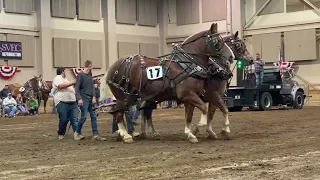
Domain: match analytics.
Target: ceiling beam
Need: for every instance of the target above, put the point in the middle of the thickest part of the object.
(256, 14)
(313, 6)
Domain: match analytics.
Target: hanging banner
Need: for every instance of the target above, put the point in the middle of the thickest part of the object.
(7, 72)
(10, 50)
(76, 71)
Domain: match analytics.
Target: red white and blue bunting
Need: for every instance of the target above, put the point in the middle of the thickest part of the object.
(8, 72)
(285, 65)
(76, 71)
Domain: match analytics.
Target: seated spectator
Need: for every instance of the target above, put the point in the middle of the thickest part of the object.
(10, 106)
(20, 105)
(33, 106)
(5, 91)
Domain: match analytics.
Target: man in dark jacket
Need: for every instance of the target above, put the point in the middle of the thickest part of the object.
(85, 94)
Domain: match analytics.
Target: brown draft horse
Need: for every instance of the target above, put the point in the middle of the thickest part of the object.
(180, 77)
(215, 89)
(44, 95)
(219, 87)
(29, 89)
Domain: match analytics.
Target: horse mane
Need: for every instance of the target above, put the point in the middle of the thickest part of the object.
(194, 36)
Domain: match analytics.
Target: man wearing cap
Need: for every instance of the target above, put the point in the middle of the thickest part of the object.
(10, 105)
(65, 102)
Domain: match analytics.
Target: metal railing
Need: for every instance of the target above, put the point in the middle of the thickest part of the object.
(307, 86)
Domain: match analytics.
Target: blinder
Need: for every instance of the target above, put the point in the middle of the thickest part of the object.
(214, 44)
(240, 48)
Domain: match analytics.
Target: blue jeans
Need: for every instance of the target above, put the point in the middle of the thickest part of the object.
(259, 78)
(85, 108)
(34, 110)
(22, 109)
(67, 111)
(130, 127)
(10, 110)
(136, 114)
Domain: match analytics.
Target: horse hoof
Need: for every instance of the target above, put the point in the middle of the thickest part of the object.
(155, 136)
(226, 135)
(128, 140)
(195, 129)
(213, 137)
(193, 140)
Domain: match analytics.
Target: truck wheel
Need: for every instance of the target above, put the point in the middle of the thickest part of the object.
(235, 108)
(298, 101)
(266, 101)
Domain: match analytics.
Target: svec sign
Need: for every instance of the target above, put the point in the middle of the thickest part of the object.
(10, 50)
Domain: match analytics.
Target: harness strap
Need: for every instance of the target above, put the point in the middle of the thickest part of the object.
(143, 66)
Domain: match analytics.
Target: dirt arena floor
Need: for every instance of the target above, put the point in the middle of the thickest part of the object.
(279, 144)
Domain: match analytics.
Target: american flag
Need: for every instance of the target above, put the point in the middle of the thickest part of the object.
(280, 62)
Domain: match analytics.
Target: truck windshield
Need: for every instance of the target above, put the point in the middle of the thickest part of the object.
(273, 75)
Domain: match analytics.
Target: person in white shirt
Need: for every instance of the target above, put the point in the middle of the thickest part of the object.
(65, 101)
(10, 105)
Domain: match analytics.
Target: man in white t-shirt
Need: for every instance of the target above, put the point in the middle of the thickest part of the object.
(65, 102)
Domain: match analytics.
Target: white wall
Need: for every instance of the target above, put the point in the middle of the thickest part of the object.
(18, 21)
(77, 25)
(186, 30)
(137, 30)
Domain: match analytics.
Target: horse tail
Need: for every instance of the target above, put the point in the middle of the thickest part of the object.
(105, 91)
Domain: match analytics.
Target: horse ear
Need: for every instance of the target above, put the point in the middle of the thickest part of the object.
(40, 75)
(236, 35)
(214, 28)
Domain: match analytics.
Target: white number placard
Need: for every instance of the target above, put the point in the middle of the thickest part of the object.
(154, 72)
(22, 89)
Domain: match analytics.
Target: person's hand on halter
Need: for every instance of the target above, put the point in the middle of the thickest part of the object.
(94, 100)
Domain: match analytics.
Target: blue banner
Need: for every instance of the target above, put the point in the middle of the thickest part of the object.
(10, 50)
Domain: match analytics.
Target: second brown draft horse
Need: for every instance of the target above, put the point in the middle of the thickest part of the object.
(179, 76)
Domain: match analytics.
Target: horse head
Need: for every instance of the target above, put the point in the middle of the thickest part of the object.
(238, 47)
(204, 44)
(34, 84)
(41, 84)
